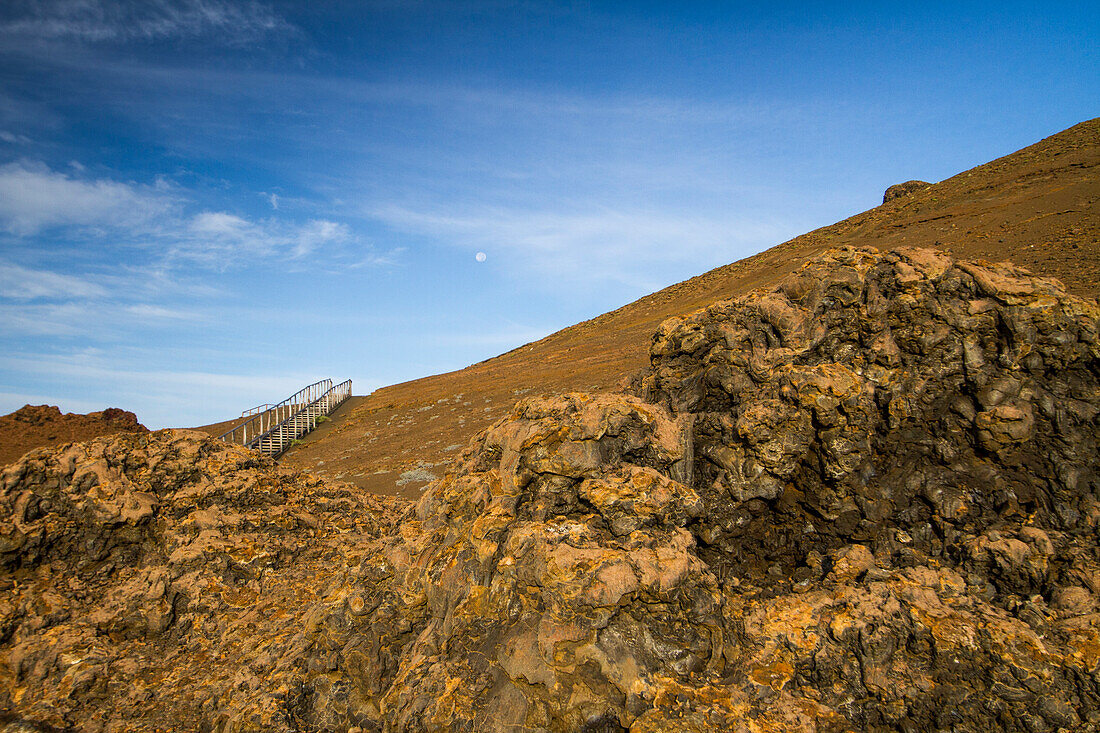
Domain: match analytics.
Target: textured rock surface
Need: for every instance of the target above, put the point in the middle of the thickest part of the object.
(866, 500)
(163, 581)
(876, 391)
(899, 190)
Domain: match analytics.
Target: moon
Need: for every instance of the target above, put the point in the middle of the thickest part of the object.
(480, 257)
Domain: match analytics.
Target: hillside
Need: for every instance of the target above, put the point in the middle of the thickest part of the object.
(1036, 207)
(37, 426)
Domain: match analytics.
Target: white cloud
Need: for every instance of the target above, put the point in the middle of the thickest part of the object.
(220, 225)
(97, 367)
(19, 283)
(70, 308)
(101, 320)
(33, 197)
(147, 311)
(222, 239)
(317, 233)
(148, 20)
(11, 137)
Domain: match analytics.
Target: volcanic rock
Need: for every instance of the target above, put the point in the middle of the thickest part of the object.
(900, 190)
(34, 426)
(164, 581)
(865, 500)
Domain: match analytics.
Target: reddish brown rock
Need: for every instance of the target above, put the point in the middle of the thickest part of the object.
(900, 190)
(35, 426)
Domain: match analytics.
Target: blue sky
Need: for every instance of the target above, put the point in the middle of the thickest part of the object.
(207, 204)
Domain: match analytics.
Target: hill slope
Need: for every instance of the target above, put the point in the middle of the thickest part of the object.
(37, 426)
(1036, 207)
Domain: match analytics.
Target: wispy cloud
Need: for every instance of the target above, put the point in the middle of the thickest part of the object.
(20, 283)
(316, 234)
(56, 320)
(33, 197)
(147, 20)
(98, 320)
(219, 238)
(151, 312)
(97, 366)
(13, 139)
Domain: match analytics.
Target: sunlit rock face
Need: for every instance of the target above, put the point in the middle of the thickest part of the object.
(866, 500)
(901, 190)
(165, 581)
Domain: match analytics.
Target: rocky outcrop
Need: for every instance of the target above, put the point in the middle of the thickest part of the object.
(873, 391)
(35, 426)
(905, 418)
(867, 500)
(900, 190)
(164, 581)
(122, 420)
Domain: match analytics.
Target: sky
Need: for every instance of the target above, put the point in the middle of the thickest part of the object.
(208, 204)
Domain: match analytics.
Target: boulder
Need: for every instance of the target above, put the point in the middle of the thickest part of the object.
(900, 190)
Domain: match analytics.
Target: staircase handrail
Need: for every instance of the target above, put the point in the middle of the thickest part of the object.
(344, 389)
(281, 411)
(257, 409)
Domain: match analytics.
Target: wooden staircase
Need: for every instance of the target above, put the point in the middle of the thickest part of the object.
(274, 428)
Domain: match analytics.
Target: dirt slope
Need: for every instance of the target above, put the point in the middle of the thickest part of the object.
(1036, 207)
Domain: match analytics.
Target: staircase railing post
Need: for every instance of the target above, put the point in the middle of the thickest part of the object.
(273, 428)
